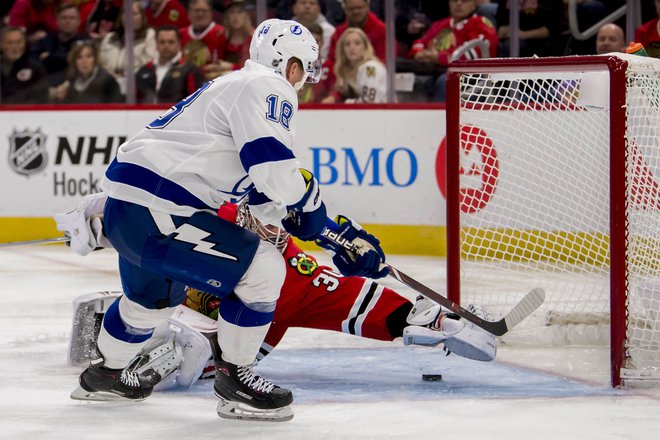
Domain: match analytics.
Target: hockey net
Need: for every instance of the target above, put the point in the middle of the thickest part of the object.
(553, 181)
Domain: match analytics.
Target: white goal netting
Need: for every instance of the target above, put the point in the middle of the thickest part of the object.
(535, 200)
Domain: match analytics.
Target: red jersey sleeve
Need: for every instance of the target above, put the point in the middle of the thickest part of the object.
(317, 297)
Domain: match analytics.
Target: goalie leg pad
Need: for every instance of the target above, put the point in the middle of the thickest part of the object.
(196, 352)
(459, 337)
(178, 352)
(163, 359)
(88, 313)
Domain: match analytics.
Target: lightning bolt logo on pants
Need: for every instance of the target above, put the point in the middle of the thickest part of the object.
(190, 234)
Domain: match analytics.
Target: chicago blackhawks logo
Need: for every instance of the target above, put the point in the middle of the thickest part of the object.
(27, 151)
(303, 264)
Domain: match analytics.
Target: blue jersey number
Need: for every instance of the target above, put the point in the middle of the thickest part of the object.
(178, 108)
(285, 111)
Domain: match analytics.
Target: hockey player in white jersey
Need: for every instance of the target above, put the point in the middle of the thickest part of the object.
(229, 140)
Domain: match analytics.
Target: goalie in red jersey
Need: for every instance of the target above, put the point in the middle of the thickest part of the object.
(313, 296)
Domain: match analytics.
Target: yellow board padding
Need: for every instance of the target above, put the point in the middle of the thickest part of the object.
(591, 248)
(395, 239)
(27, 228)
(403, 239)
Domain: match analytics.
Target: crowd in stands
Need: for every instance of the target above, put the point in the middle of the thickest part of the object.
(73, 51)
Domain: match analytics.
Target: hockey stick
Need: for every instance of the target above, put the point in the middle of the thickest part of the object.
(39, 241)
(520, 311)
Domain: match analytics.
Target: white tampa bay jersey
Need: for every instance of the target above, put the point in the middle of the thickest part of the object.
(370, 84)
(231, 137)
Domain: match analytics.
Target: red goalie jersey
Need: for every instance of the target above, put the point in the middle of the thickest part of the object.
(317, 297)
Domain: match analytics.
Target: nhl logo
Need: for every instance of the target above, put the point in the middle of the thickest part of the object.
(27, 151)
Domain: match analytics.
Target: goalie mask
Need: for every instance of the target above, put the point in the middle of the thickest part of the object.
(276, 41)
(273, 234)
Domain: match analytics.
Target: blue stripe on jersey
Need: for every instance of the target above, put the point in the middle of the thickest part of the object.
(147, 180)
(257, 198)
(234, 311)
(264, 150)
(118, 329)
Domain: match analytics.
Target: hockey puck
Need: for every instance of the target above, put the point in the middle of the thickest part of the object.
(432, 377)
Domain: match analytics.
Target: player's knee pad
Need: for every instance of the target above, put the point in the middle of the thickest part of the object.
(259, 288)
(140, 317)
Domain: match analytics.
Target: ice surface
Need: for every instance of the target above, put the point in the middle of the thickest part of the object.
(344, 387)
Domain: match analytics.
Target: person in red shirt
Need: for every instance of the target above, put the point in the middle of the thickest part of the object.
(648, 34)
(166, 12)
(168, 77)
(202, 41)
(462, 35)
(359, 15)
(444, 37)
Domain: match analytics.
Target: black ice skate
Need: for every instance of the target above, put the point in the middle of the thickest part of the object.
(99, 383)
(245, 395)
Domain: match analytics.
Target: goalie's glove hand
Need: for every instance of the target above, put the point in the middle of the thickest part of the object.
(307, 217)
(84, 225)
(368, 261)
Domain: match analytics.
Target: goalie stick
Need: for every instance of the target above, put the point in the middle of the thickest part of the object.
(39, 241)
(520, 311)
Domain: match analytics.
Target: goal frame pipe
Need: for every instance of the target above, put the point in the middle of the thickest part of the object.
(618, 226)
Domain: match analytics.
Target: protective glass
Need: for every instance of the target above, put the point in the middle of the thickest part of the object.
(313, 71)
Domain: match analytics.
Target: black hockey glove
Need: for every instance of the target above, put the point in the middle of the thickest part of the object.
(368, 262)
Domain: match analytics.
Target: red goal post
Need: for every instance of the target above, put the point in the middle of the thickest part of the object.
(553, 180)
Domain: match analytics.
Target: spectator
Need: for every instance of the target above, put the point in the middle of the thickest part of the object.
(22, 79)
(202, 41)
(358, 15)
(112, 53)
(413, 18)
(234, 48)
(446, 36)
(361, 76)
(648, 34)
(52, 51)
(168, 78)
(35, 17)
(539, 27)
(166, 12)
(307, 12)
(88, 82)
(610, 38)
(452, 38)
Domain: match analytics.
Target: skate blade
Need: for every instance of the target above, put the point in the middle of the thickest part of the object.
(99, 396)
(239, 411)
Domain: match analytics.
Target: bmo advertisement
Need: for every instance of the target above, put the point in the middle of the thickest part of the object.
(383, 167)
